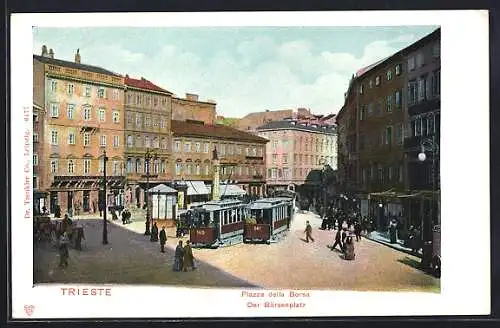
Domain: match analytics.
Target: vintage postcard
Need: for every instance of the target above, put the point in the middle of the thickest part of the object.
(266, 164)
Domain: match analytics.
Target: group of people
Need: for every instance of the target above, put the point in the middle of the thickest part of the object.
(65, 231)
(344, 237)
(183, 256)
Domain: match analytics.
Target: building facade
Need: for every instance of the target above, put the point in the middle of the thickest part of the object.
(423, 61)
(295, 149)
(148, 110)
(241, 157)
(84, 118)
(191, 108)
(390, 107)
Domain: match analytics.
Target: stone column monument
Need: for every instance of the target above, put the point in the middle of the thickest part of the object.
(216, 176)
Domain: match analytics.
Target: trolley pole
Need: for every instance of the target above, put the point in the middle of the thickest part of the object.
(105, 222)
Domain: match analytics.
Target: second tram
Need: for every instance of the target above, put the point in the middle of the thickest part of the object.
(269, 220)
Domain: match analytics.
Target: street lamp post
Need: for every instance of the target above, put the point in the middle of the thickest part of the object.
(147, 160)
(322, 162)
(105, 222)
(431, 146)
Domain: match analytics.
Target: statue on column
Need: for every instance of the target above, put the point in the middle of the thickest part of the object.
(216, 176)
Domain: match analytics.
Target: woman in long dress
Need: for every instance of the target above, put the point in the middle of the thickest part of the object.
(178, 257)
(188, 257)
(349, 249)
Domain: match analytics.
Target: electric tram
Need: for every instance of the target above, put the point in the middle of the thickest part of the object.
(218, 223)
(269, 220)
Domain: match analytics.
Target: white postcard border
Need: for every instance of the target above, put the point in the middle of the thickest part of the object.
(465, 282)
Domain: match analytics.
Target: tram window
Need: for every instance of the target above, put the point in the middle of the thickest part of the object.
(216, 217)
(224, 215)
(268, 215)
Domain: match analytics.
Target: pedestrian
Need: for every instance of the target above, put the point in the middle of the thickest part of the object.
(178, 257)
(349, 249)
(338, 240)
(163, 239)
(57, 213)
(154, 233)
(63, 250)
(79, 236)
(344, 236)
(188, 257)
(308, 232)
(357, 230)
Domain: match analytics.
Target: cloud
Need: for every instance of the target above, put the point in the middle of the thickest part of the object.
(257, 74)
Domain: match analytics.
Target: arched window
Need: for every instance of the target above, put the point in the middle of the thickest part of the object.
(71, 166)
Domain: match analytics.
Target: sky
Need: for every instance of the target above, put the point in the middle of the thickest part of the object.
(244, 69)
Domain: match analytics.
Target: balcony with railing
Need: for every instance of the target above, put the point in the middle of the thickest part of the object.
(424, 106)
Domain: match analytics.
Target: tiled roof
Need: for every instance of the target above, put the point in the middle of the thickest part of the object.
(294, 125)
(65, 63)
(143, 84)
(195, 129)
(368, 68)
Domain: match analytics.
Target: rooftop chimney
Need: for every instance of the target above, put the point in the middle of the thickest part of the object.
(44, 51)
(77, 56)
(51, 53)
(192, 96)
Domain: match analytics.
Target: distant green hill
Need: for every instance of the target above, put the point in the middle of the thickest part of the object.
(228, 121)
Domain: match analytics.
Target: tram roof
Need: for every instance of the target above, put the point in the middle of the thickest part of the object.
(267, 202)
(221, 204)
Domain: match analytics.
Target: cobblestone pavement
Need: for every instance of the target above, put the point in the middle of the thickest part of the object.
(292, 263)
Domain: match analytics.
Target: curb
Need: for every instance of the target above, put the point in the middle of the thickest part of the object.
(409, 252)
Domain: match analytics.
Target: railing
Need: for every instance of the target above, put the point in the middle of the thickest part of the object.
(424, 107)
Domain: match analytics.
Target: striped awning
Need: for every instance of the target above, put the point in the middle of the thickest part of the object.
(197, 188)
(231, 190)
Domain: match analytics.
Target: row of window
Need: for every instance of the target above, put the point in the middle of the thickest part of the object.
(146, 121)
(382, 174)
(426, 87)
(222, 149)
(198, 168)
(72, 167)
(86, 112)
(87, 139)
(421, 58)
(288, 173)
(302, 159)
(382, 105)
(140, 165)
(322, 145)
(146, 142)
(86, 90)
(398, 69)
(139, 99)
(414, 62)
(422, 125)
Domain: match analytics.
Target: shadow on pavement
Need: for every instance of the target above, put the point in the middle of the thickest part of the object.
(129, 258)
(414, 264)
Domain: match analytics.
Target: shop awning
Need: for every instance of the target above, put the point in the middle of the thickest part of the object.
(197, 188)
(231, 190)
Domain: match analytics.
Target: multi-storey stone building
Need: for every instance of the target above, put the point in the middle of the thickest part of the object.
(296, 148)
(371, 145)
(84, 118)
(423, 62)
(241, 156)
(148, 110)
(389, 106)
(191, 108)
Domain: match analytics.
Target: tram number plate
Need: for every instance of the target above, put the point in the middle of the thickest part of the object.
(200, 232)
